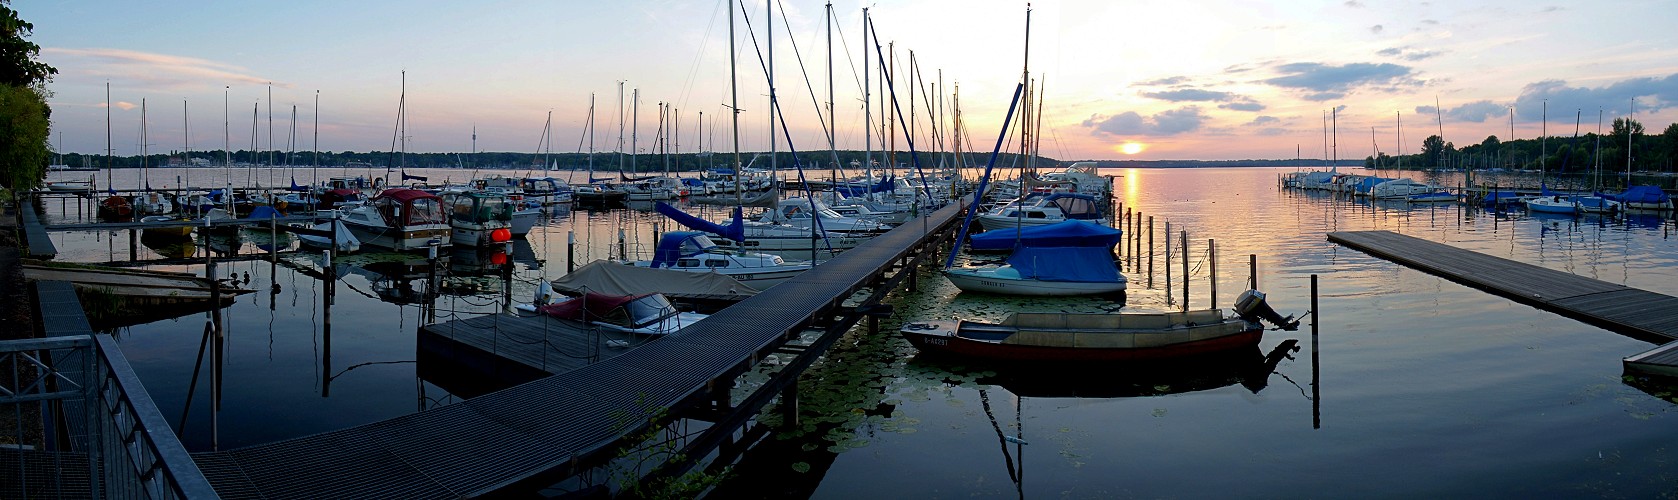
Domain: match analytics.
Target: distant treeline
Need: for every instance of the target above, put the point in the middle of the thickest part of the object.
(1555, 154)
(603, 162)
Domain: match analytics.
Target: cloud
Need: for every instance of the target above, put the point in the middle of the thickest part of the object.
(1189, 95)
(155, 69)
(1130, 123)
(1477, 111)
(1407, 53)
(1354, 3)
(1262, 120)
(1327, 81)
(1274, 131)
(1246, 105)
(1376, 29)
(1164, 82)
(122, 105)
(1652, 94)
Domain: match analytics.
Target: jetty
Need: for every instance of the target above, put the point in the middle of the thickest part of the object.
(1633, 312)
(561, 425)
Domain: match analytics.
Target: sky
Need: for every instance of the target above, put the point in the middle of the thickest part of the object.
(1140, 79)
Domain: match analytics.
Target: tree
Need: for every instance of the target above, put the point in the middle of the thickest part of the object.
(1433, 149)
(24, 114)
(1620, 127)
(17, 55)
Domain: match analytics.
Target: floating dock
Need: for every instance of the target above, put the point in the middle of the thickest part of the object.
(1633, 312)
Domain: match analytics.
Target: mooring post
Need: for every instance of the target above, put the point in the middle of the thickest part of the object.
(1252, 271)
(1118, 215)
(1184, 247)
(1150, 250)
(908, 267)
(789, 406)
(623, 246)
(1167, 259)
(133, 248)
(1212, 261)
(570, 251)
(1316, 401)
(656, 234)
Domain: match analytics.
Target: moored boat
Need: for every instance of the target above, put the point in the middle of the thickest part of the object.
(400, 219)
(1099, 337)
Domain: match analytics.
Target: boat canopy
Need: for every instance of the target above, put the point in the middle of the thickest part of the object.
(1641, 194)
(406, 207)
(617, 279)
(1087, 264)
(1071, 233)
(632, 311)
(478, 206)
(677, 244)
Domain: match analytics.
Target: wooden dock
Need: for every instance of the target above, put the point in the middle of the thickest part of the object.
(501, 350)
(1633, 312)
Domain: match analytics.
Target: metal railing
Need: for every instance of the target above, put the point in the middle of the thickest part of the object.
(87, 391)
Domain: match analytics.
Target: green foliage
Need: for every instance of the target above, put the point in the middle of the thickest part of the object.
(1621, 124)
(629, 471)
(1433, 150)
(23, 137)
(17, 56)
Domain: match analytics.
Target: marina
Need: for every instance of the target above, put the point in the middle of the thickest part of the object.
(481, 358)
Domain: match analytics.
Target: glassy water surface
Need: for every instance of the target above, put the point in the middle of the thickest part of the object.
(1419, 386)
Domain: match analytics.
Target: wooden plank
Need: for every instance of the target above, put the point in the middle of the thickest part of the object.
(1634, 312)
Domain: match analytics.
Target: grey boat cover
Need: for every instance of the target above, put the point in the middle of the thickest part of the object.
(621, 279)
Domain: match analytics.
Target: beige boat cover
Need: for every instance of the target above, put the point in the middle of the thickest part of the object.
(621, 279)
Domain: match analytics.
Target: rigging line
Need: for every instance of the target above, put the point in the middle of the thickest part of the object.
(838, 27)
(811, 88)
(704, 41)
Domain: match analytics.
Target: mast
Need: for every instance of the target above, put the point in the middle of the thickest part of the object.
(1025, 112)
(1543, 142)
(314, 165)
(832, 144)
(108, 151)
(634, 128)
(591, 137)
(1629, 117)
(271, 124)
(867, 110)
(1596, 163)
(734, 103)
(1440, 115)
(1398, 117)
(769, 33)
(186, 144)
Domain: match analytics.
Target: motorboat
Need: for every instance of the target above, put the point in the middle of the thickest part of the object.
(1433, 197)
(801, 212)
(1035, 209)
(1100, 337)
(693, 251)
(1400, 189)
(645, 314)
(478, 218)
(115, 208)
(400, 219)
(1045, 271)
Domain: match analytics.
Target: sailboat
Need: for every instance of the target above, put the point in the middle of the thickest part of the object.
(114, 208)
(400, 218)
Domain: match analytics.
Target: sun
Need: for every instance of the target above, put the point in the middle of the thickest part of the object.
(1131, 148)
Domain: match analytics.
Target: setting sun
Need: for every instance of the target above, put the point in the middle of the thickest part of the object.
(1131, 148)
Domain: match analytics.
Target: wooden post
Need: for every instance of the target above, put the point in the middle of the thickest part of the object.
(133, 248)
(1167, 259)
(1252, 271)
(1150, 251)
(623, 246)
(1316, 401)
(1212, 260)
(1184, 247)
(570, 251)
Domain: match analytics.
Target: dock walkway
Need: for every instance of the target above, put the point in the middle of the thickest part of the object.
(559, 423)
(1633, 312)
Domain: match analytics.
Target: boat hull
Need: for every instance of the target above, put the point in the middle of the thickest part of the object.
(978, 280)
(401, 239)
(942, 338)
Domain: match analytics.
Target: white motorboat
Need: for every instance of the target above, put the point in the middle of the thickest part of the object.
(800, 212)
(646, 314)
(478, 218)
(1553, 204)
(1037, 209)
(693, 251)
(1400, 189)
(400, 219)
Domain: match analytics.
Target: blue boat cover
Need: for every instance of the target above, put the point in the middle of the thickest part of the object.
(677, 244)
(1641, 194)
(264, 212)
(1071, 233)
(1084, 264)
(886, 184)
(735, 230)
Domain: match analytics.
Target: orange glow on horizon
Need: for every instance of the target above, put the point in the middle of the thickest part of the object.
(1131, 148)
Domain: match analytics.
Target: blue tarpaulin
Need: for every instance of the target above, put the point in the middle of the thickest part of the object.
(735, 230)
(1085, 264)
(1641, 194)
(1071, 233)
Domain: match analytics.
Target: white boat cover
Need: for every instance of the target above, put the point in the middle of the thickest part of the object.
(618, 279)
(347, 241)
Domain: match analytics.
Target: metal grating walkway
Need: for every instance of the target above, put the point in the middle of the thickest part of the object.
(1629, 311)
(555, 423)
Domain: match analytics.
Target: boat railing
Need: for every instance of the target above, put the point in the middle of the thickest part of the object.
(114, 429)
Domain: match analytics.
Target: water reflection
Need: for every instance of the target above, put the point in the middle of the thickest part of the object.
(1250, 367)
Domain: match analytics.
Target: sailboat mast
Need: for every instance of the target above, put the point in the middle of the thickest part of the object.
(635, 125)
(1398, 118)
(108, 151)
(734, 103)
(1632, 113)
(186, 146)
(1596, 162)
(867, 102)
(591, 137)
(832, 144)
(314, 165)
(769, 34)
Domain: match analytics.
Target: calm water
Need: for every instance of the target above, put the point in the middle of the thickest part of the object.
(1422, 386)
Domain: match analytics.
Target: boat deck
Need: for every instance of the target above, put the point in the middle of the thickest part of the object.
(1661, 360)
(558, 425)
(1633, 312)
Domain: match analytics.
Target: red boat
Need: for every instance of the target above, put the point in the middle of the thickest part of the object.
(116, 209)
(1100, 337)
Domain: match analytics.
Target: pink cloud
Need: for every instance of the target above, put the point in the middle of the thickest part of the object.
(156, 69)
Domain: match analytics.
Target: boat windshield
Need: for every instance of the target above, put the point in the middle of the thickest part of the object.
(426, 211)
(648, 310)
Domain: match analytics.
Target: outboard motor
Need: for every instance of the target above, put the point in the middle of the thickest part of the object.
(1251, 306)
